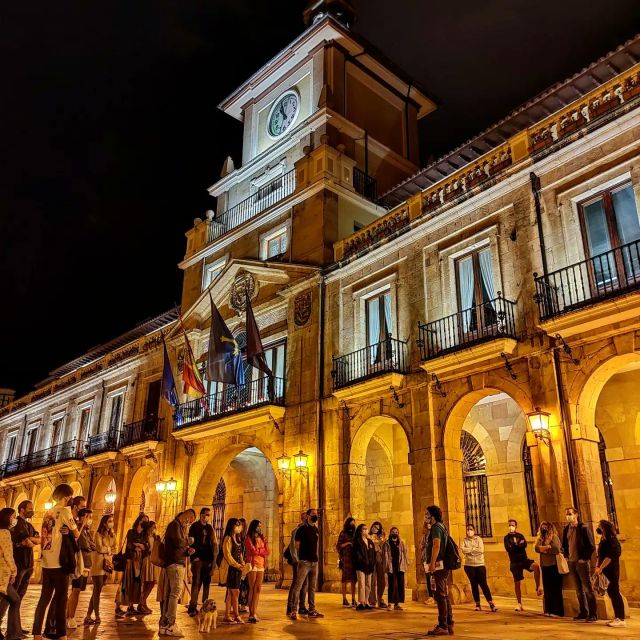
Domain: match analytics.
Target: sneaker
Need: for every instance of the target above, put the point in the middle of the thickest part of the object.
(252, 620)
(316, 614)
(493, 607)
(131, 612)
(616, 622)
(382, 605)
(360, 607)
(303, 612)
(580, 616)
(71, 623)
(368, 606)
(345, 602)
(174, 631)
(438, 631)
(162, 631)
(519, 607)
(592, 619)
(293, 616)
(397, 607)
(478, 608)
(119, 613)
(430, 601)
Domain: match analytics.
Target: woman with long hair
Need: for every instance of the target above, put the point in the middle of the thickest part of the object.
(395, 564)
(548, 545)
(609, 551)
(364, 561)
(243, 596)
(101, 564)
(378, 537)
(256, 553)
(8, 573)
(149, 572)
(472, 547)
(135, 550)
(231, 569)
(344, 547)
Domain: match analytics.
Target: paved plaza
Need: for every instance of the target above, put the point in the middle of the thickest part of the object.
(347, 624)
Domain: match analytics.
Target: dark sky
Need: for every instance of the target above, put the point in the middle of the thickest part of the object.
(110, 133)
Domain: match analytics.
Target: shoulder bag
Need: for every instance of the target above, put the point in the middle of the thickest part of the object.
(562, 564)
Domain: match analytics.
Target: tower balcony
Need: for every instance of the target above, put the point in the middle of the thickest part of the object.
(599, 291)
(62, 458)
(468, 337)
(231, 408)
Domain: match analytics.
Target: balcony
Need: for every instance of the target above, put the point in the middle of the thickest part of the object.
(611, 280)
(143, 435)
(370, 370)
(102, 447)
(266, 196)
(46, 458)
(468, 337)
(365, 185)
(232, 408)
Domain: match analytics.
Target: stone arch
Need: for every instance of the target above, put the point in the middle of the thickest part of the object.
(366, 430)
(77, 488)
(19, 497)
(134, 501)
(98, 504)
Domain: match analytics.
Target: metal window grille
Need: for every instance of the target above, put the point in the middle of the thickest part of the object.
(607, 480)
(476, 489)
(219, 504)
(532, 501)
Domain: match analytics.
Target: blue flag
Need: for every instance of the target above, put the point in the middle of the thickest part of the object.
(224, 363)
(168, 387)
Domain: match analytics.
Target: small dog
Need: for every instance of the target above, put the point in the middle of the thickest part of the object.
(207, 616)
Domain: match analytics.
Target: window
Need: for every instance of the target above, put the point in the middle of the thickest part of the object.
(57, 430)
(10, 447)
(611, 231)
(476, 292)
(379, 327)
(115, 417)
(275, 356)
(212, 271)
(83, 424)
(474, 480)
(530, 487)
(31, 441)
(274, 243)
(219, 504)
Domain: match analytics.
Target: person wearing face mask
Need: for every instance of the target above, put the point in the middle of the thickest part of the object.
(306, 543)
(204, 551)
(79, 582)
(231, 569)
(101, 564)
(394, 552)
(516, 546)
(8, 573)
(548, 546)
(344, 547)
(24, 538)
(473, 549)
(291, 555)
(364, 562)
(609, 551)
(256, 553)
(434, 555)
(423, 550)
(578, 547)
(378, 537)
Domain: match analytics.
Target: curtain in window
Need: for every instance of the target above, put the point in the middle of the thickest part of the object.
(624, 205)
(373, 330)
(486, 271)
(599, 242)
(388, 328)
(466, 284)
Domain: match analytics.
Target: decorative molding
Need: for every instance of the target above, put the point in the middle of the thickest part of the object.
(302, 308)
(244, 287)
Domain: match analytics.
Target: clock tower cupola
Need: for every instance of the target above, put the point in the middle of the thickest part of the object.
(342, 10)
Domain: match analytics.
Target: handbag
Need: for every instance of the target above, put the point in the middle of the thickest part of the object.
(157, 553)
(120, 559)
(562, 564)
(600, 583)
(107, 567)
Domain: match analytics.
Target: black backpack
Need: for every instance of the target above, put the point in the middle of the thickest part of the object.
(450, 555)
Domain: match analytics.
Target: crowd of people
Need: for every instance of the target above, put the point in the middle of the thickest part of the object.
(371, 562)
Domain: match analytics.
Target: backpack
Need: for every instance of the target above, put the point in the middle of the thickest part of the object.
(450, 555)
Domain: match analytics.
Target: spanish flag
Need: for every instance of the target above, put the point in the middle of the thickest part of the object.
(191, 377)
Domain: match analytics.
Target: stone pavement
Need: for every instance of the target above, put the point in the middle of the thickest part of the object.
(346, 624)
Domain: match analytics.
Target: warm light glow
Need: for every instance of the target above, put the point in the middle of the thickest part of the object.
(539, 421)
(172, 485)
(110, 497)
(300, 461)
(284, 463)
(48, 506)
(161, 485)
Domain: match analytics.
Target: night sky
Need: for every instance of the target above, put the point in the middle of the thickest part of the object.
(110, 133)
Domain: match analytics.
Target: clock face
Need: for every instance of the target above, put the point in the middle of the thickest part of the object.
(283, 113)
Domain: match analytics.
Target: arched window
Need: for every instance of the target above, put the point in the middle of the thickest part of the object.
(608, 483)
(219, 503)
(530, 486)
(476, 490)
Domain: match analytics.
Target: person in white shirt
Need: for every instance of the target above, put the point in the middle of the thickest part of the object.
(57, 523)
(473, 550)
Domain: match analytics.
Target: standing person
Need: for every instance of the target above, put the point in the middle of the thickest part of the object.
(395, 558)
(436, 545)
(516, 546)
(578, 547)
(135, 550)
(378, 537)
(24, 538)
(8, 573)
(548, 546)
(291, 555)
(176, 551)
(256, 554)
(473, 550)
(425, 562)
(55, 579)
(306, 543)
(364, 562)
(86, 548)
(101, 564)
(344, 547)
(243, 597)
(609, 551)
(231, 569)
(150, 572)
(204, 550)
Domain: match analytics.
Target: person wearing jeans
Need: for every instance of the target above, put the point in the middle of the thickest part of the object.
(578, 547)
(204, 551)
(473, 549)
(176, 550)
(436, 545)
(306, 545)
(292, 557)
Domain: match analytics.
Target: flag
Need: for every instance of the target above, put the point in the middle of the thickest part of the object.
(255, 350)
(168, 387)
(193, 385)
(225, 361)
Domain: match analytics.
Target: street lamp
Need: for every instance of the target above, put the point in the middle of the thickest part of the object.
(172, 485)
(539, 421)
(48, 506)
(110, 497)
(300, 462)
(161, 485)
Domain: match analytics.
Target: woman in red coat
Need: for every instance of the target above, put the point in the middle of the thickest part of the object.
(256, 553)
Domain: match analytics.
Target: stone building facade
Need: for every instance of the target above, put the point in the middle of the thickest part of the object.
(419, 323)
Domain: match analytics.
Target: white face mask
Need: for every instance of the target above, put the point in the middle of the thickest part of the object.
(571, 518)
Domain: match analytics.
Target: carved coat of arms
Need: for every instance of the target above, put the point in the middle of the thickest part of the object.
(243, 288)
(302, 308)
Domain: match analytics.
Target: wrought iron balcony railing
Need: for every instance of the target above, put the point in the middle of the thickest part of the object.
(265, 197)
(101, 443)
(480, 323)
(230, 399)
(387, 356)
(144, 430)
(601, 277)
(365, 185)
(71, 450)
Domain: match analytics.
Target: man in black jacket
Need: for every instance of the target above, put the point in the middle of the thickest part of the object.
(578, 547)
(204, 551)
